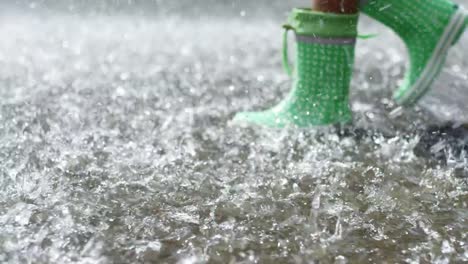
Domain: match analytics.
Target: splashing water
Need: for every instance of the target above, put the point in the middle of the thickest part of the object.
(116, 146)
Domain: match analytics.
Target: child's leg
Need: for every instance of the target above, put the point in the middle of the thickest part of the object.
(336, 6)
(322, 68)
(428, 28)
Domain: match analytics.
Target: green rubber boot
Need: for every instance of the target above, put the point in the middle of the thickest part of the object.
(321, 75)
(428, 28)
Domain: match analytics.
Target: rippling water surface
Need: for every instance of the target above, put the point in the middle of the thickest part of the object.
(116, 147)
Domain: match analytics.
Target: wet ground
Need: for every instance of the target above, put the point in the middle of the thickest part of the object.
(116, 147)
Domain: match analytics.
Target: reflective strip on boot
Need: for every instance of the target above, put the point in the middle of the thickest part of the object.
(325, 41)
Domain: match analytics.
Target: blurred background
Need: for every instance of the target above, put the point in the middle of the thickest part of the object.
(159, 7)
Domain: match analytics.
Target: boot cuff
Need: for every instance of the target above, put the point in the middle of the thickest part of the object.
(307, 22)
